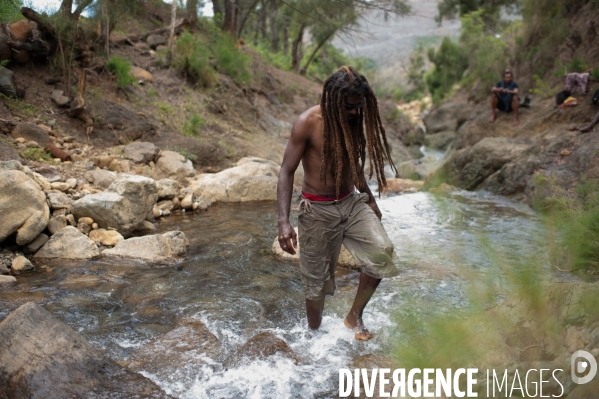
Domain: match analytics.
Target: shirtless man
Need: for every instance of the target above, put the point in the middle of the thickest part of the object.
(505, 96)
(331, 141)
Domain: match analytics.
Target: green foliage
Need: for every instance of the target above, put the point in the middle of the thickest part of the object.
(188, 155)
(192, 56)
(120, 68)
(595, 73)
(230, 60)
(577, 65)
(449, 65)
(192, 126)
(543, 88)
(10, 11)
(4, 63)
(35, 154)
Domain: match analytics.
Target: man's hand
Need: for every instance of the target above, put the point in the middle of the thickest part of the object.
(287, 238)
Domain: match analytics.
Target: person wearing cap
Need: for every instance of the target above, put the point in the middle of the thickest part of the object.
(504, 96)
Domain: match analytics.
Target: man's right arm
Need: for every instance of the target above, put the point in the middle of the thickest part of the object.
(300, 134)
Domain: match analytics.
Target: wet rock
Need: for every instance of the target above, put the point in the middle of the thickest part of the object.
(201, 203)
(23, 207)
(158, 248)
(187, 201)
(441, 140)
(21, 264)
(260, 346)
(123, 206)
(403, 185)
(59, 98)
(68, 243)
(141, 151)
(6, 281)
(37, 243)
(59, 200)
(253, 179)
(191, 342)
(41, 357)
(155, 40)
(141, 74)
(174, 165)
(108, 238)
(7, 85)
(167, 188)
(345, 258)
(57, 223)
(103, 178)
(31, 132)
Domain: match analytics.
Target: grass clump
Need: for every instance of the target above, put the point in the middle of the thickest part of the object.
(192, 125)
(120, 68)
(543, 88)
(230, 60)
(188, 155)
(192, 57)
(10, 11)
(35, 154)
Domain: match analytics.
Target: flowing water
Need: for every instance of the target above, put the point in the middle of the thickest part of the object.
(233, 284)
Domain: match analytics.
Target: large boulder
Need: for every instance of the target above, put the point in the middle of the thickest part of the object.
(441, 140)
(158, 249)
(43, 358)
(174, 165)
(31, 132)
(141, 151)
(345, 258)
(123, 206)
(253, 179)
(68, 243)
(23, 207)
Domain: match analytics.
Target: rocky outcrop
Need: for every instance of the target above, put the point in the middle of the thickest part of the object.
(253, 179)
(68, 243)
(31, 132)
(345, 258)
(123, 206)
(447, 117)
(260, 346)
(43, 358)
(157, 249)
(23, 207)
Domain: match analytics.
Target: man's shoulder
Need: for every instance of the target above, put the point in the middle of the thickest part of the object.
(308, 121)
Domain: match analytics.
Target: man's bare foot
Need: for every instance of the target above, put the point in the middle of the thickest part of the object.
(360, 332)
(492, 118)
(516, 121)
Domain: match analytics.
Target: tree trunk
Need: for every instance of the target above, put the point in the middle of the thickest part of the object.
(216, 8)
(66, 7)
(230, 21)
(263, 20)
(296, 49)
(192, 11)
(245, 17)
(273, 25)
(305, 68)
(285, 38)
(171, 39)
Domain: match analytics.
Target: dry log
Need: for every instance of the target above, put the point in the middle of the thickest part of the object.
(57, 152)
(179, 25)
(42, 25)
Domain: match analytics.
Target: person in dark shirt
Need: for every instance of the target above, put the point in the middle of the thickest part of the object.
(505, 97)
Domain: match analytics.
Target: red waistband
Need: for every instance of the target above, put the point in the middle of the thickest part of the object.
(326, 197)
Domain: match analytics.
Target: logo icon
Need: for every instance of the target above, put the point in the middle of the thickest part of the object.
(580, 363)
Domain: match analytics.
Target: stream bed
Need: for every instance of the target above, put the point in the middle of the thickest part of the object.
(234, 285)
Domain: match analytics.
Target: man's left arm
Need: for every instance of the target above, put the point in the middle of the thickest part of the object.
(515, 89)
(371, 201)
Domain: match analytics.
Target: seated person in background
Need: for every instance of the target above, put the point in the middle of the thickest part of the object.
(505, 96)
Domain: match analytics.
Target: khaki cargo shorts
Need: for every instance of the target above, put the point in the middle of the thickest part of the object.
(324, 226)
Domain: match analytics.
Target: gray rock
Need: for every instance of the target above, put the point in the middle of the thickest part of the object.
(59, 98)
(59, 200)
(165, 205)
(8, 152)
(141, 152)
(157, 249)
(21, 264)
(123, 206)
(6, 281)
(43, 358)
(7, 86)
(57, 223)
(449, 116)
(103, 178)
(174, 165)
(4, 270)
(37, 243)
(31, 132)
(167, 188)
(155, 40)
(23, 207)
(68, 243)
(441, 140)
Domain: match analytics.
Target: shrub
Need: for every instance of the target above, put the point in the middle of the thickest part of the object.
(449, 65)
(542, 88)
(120, 68)
(230, 60)
(10, 11)
(193, 125)
(36, 154)
(192, 57)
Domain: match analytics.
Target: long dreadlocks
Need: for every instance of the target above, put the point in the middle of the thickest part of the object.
(344, 145)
